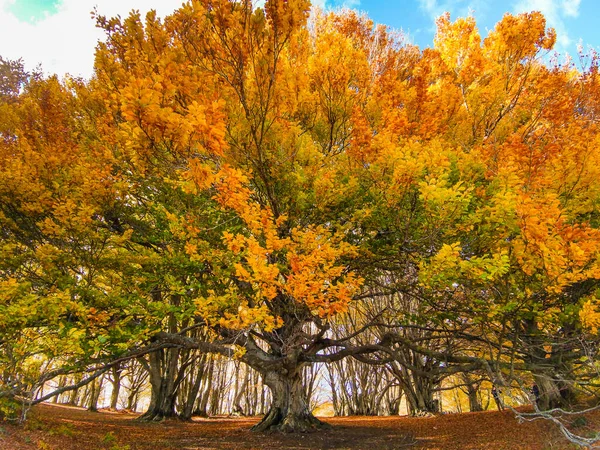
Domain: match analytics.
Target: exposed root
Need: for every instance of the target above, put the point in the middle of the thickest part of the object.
(275, 421)
(154, 416)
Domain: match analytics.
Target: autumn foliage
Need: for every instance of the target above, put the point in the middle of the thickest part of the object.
(259, 173)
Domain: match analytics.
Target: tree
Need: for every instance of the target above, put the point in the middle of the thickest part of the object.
(203, 105)
(12, 78)
(235, 181)
(502, 256)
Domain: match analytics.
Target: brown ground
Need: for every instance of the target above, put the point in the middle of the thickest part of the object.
(53, 427)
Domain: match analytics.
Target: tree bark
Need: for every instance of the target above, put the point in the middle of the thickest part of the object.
(95, 389)
(239, 392)
(116, 387)
(552, 393)
(192, 396)
(163, 371)
(202, 409)
(472, 393)
(474, 400)
(289, 411)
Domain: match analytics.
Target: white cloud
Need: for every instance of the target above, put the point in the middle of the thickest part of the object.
(571, 7)
(431, 7)
(352, 4)
(64, 42)
(555, 11)
(456, 8)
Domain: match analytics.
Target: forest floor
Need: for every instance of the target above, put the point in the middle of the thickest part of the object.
(56, 427)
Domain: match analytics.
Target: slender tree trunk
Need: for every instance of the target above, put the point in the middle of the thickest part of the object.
(95, 389)
(62, 382)
(218, 389)
(205, 397)
(334, 390)
(263, 399)
(116, 387)
(132, 401)
(239, 392)
(74, 394)
(188, 407)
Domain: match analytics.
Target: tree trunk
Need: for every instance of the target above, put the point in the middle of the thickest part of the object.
(163, 371)
(188, 407)
(239, 392)
(218, 389)
(472, 393)
(75, 392)
(289, 410)
(552, 393)
(132, 401)
(95, 389)
(202, 409)
(474, 400)
(62, 382)
(116, 387)
(420, 398)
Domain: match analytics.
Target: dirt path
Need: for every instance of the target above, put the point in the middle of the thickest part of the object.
(54, 427)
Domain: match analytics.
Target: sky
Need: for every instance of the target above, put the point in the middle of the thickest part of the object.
(61, 35)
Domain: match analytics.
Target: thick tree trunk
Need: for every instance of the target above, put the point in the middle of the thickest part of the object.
(420, 398)
(419, 389)
(552, 393)
(289, 410)
(474, 400)
(555, 391)
(473, 394)
(163, 371)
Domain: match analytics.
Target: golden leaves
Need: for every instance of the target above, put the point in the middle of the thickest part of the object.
(304, 267)
(521, 36)
(590, 315)
(315, 276)
(564, 253)
(459, 46)
(200, 174)
(280, 133)
(449, 269)
(287, 15)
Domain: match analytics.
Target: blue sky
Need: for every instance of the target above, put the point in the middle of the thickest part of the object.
(574, 20)
(60, 35)
(33, 10)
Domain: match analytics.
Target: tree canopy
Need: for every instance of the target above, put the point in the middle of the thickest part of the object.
(288, 190)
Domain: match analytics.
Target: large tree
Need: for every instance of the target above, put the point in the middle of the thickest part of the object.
(231, 124)
(233, 180)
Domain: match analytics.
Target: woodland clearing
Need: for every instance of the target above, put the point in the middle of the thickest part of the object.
(69, 428)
